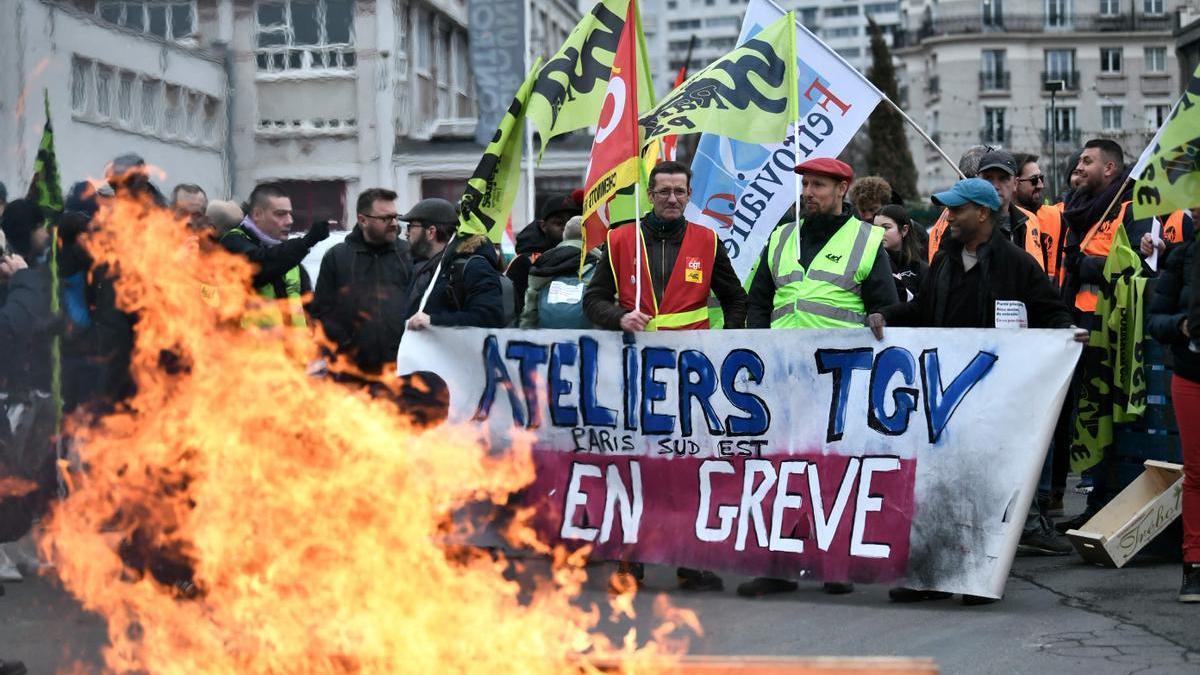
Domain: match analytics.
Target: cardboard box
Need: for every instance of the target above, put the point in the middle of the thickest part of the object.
(1134, 517)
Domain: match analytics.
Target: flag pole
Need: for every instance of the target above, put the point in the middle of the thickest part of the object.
(531, 193)
(637, 191)
(794, 104)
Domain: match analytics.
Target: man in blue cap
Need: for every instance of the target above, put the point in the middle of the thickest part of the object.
(977, 277)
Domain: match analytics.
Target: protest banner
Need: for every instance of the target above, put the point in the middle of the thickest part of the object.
(741, 190)
(816, 454)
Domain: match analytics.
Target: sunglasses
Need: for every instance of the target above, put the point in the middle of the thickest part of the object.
(1039, 178)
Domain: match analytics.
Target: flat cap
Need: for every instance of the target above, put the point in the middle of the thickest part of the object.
(826, 166)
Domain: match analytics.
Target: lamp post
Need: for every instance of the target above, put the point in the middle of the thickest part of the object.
(1053, 86)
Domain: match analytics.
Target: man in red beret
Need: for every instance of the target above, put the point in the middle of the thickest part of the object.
(830, 270)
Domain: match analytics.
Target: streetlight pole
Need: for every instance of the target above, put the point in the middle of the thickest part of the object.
(1054, 86)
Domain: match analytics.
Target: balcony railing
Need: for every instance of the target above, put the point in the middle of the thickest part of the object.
(995, 136)
(933, 86)
(1034, 23)
(994, 81)
(1068, 137)
(1070, 79)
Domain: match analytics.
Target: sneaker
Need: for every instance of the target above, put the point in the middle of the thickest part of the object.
(1190, 590)
(8, 568)
(1044, 541)
(763, 586)
(698, 580)
(1086, 485)
(1074, 523)
(901, 594)
(837, 587)
(24, 553)
(976, 600)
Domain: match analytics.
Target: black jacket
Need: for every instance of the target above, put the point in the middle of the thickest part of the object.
(1005, 273)
(361, 298)
(1169, 307)
(600, 299)
(272, 262)
(24, 331)
(908, 277)
(474, 298)
(878, 290)
(531, 243)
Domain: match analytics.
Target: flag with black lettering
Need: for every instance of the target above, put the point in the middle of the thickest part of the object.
(45, 188)
(488, 198)
(749, 94)
(572, 86)
(1168, 173)
(615, 162)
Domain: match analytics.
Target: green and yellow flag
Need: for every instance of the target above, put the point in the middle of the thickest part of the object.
(1170, 178)
(571, 87)
(488, 197)
(748, 95)
(1114, 387)
(45, 189)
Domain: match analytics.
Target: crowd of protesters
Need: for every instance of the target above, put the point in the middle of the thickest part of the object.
(1000, 237)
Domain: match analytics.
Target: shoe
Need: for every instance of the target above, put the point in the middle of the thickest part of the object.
(698, 580)
(1073, 523)
(8, 568)
(1086, 484)
(901, 594)
(1055, 506)
(23, 552)
(1190, 590)
(763, 586)
(837, 587)
(628, 576)
(12, 668)
(976, 600)
(1044, 541)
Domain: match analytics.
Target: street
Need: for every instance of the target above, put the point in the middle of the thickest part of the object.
(1059, 615)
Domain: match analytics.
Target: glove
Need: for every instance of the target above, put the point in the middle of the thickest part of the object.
(318, 232)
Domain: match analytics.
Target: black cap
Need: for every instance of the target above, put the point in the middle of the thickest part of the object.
(432, 210)
(566, 203)
(998, 159)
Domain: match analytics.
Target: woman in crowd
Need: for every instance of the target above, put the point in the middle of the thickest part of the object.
(904, 249)
(1168, 323)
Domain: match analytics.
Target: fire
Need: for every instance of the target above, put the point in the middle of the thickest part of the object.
(314, 517)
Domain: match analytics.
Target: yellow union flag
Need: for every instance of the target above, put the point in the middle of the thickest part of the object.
(1170, 180)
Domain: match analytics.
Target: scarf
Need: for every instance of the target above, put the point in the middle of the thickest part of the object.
(1082, 210)
(249, 225)
(663, 229)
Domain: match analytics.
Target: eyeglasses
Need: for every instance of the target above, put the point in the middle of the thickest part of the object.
(388, 218)
(1035, 179)
(667, 193)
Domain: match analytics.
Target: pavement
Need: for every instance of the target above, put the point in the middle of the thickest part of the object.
(1059, 615)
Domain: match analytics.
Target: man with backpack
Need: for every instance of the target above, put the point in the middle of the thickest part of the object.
(361, 297)
(463, 272)
(557, 281)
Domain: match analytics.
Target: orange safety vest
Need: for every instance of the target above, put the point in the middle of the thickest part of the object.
(1050, 219)
(684, 305)
(1033, 244)
(1172, 227)
(1097, 243)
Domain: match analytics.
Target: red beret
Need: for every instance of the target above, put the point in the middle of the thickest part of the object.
(827, 166)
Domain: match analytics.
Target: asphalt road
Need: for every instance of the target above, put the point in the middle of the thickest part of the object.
(1059, 615)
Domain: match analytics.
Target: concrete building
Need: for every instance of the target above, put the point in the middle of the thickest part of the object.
(1187, 44)
(977, 73)
(326, 97)
(716, 24)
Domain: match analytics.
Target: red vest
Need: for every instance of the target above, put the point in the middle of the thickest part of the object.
(684, 305)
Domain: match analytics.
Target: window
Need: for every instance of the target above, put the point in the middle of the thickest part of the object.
(993, 126)
(844, 31)
(880, 8)
(1152, 7)
(671, 4)
(1156, 59)
(850, 52)
(173, 111)
(81, 84)
(1110, 7)
(1110, 59)
(1058, 13)
(168, 19)
(105, 82)
(1065, 129)
(1060, 65)
(1110, 117)
(709, 3)
(1156, 115)
(721, 42)
(151, 93)
(722, 21)
(993, 13)
(208, 130)
(683, 25)
(851, 10)
(425, 43)
(994, 76)
(125, 98)
(304, 34)
(808, 16)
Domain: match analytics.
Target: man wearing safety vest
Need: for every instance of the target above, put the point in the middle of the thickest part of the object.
(262, 237)
(1018, 225)
(1030, 189)
(682, 265)
(830, 270)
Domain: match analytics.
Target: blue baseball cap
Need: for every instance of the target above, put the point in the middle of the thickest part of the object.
(976, 190)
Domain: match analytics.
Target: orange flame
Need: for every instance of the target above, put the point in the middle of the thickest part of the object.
(313, 516)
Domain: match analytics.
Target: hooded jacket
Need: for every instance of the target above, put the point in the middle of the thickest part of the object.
(1169, 305)
(562, 260)
(479, 302)
(531, 243)
(361, 298)
(1004, 272)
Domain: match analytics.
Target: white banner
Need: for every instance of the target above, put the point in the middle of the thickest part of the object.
(820, 454)
(743, 190)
